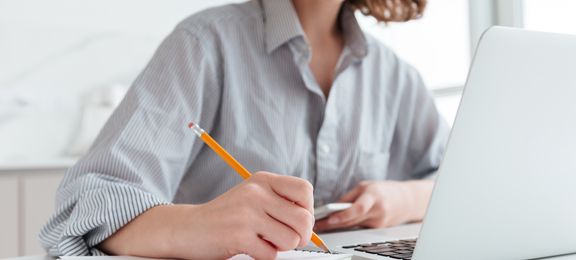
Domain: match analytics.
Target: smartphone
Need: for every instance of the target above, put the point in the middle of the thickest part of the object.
(328, 209)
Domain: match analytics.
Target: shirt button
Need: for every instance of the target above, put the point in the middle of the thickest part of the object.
(324, 148)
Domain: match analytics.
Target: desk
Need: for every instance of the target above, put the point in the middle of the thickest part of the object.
(336, 239)
(36, 257)
(41, 257)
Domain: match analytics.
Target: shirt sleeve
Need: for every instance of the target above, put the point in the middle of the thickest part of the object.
(142, 152)
(421, 132)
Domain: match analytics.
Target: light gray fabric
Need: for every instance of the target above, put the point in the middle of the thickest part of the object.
(241, 72)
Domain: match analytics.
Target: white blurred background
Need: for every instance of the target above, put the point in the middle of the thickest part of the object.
(66, 64)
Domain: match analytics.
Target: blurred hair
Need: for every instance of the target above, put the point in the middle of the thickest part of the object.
(390, 10)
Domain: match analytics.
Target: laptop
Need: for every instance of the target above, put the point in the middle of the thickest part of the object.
(507, 186)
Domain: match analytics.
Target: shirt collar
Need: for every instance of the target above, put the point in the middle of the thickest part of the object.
(353, 34)
(281, 24)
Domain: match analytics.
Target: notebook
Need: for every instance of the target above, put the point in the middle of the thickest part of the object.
(300, 254)
(287, 255)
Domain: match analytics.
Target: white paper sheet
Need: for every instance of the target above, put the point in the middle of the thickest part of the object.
(287, 255)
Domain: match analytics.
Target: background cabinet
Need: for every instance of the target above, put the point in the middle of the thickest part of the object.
(26, 202)
(9, 216)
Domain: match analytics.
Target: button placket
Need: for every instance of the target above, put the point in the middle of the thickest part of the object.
(327, 151)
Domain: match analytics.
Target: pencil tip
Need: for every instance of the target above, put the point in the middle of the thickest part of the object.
(326, 249)
(191, 125)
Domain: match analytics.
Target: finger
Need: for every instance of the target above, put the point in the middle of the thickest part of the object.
(326, 225)
(281, 236)
(295, 217)
(260, 248)
(293, 189)
(375, 222)
(322, 225)
(353, 215)
(352, 195)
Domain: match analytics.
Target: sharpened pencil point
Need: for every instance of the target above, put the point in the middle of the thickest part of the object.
(191, 125)
(325, 248)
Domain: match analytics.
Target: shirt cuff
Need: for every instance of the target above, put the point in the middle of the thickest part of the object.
(93, 215)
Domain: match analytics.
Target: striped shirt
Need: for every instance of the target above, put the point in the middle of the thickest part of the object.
(242, 72)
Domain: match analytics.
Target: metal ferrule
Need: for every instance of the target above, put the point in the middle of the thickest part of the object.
(197, 130)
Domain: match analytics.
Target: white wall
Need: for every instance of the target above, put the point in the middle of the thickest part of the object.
(59, 56)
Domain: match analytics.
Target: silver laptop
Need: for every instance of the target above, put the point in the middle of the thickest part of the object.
(507, 186)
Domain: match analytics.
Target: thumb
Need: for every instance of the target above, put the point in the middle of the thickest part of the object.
(352, 195)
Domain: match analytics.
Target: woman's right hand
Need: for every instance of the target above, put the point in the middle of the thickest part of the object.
(260, 216)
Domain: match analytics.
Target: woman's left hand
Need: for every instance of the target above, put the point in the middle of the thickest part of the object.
(377, 204)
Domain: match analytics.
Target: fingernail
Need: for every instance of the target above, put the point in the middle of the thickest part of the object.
(333, 220)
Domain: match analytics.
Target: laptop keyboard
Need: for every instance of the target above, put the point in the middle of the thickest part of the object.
(400, 249)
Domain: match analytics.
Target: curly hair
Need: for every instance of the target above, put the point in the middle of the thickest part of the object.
(390, 10)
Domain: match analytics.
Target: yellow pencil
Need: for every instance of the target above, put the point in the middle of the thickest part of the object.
(239, 169)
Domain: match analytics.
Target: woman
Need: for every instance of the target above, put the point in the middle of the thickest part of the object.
(294, 88)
